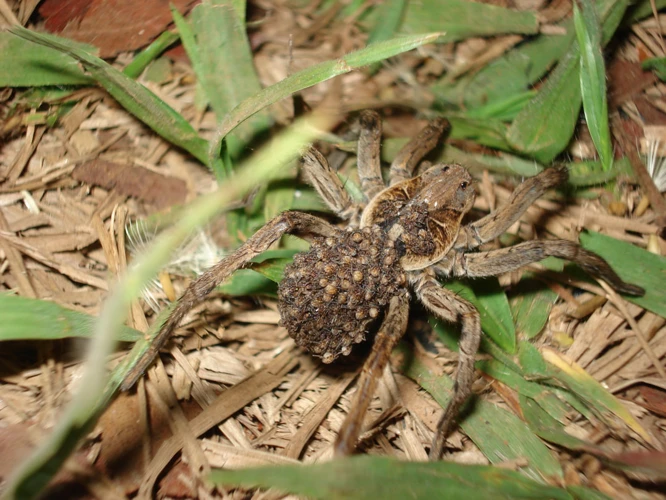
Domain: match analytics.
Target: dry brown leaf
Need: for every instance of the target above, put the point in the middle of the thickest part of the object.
(113, 26)
(139, 182)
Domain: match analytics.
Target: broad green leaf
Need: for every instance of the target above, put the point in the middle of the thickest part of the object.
(460, 19)
(491, 302)
(593, 79)
(312, 76)
(490, 132)
(551, 404)
(248, 282)
(531, 302)
(24, 64)
(591, 173)
(134, 97)
(544, 127)
(595, 396)
(364, 477)
(633, 265)
(507, 77)
(32, 319)
(224, 65)
(489, 425)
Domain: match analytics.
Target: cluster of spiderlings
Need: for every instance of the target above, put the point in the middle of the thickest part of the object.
(417, 236)
(331, 294)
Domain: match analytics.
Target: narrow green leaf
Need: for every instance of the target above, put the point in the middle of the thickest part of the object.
(531, 360)
(656, 64)
(96, 388)
(499, 434)
(493, 306)
(593, 79)
(312, 76)
(460, 19)
(150, 53)
(386, 23)
(548, 428)
(591, 392)
(24, 64)
(551, 404)
(134, 97)
(32, 319)
(544, 127)
(225, 66)
(583, 493)
(633, 265)
(531, 302)
(363, 477)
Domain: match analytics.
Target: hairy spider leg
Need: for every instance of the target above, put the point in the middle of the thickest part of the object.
(496, 223)
(504, 260)
(286, 223)
(449, 307)
(327, 183)
(368, 156)
(390, 332)
(409, 156)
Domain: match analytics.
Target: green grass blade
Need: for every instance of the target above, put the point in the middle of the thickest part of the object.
(134, 97)
(32, 319)
(583, 493)
(24, 64)
(633, 265)
(94, 391)
(531, 302)
(150, 53)
(363, 477)
(312, 76)
(491, 302)
(460, 19)
(226, 66)
(491, 439)
(508, 76)
(386, 24)
(591, 392)
(593, 79)
(656, 64)
(544, 127)
(553, 406)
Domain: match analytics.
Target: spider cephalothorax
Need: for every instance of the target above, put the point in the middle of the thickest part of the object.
(358, 279)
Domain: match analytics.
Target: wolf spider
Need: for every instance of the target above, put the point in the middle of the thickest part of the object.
(406, 236)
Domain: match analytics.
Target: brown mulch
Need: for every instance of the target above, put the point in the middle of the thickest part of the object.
(235, 391)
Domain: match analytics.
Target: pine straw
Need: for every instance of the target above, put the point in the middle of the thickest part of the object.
(264, 401)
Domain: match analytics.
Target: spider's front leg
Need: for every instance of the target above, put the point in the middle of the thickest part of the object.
(392, 329)
(285, 223)
(494, 262)
(496, 223)
(449, 307)
(409, 156)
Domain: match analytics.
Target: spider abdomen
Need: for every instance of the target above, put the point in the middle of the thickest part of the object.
(331, 294)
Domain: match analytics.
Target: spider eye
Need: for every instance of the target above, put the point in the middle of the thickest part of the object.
(464, 184)
(445, 169)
